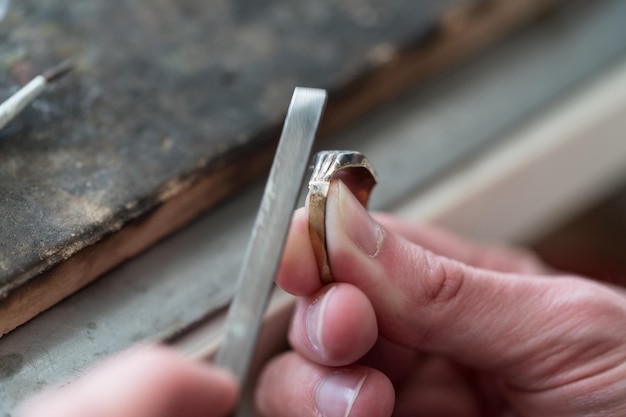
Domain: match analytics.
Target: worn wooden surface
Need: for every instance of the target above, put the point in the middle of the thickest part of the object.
(175, 105)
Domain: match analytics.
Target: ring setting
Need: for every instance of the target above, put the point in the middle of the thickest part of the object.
(355, 170)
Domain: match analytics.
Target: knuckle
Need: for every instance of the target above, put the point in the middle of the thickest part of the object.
(442, 279)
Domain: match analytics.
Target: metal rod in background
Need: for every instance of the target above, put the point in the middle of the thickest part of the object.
(27, 94)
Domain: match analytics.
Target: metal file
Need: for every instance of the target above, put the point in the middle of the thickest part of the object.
(270, 230)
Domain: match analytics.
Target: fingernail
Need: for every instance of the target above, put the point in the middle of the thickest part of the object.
(359, 226)
(338, 392)
(315, 320)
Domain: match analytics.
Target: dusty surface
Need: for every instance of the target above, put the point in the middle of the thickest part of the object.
(162, 95)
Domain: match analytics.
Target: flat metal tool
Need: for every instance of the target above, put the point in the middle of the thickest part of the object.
(25, 95)
(267, 242)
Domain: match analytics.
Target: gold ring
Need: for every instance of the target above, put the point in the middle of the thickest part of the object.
(357, 173)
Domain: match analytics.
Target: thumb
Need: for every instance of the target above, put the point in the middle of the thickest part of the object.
(536, 332)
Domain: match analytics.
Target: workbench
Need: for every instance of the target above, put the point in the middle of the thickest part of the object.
(185, 282)
(177, 105)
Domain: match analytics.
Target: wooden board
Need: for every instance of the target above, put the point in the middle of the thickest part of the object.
(175, 106)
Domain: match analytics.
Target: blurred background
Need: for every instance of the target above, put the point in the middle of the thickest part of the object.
(129, 187)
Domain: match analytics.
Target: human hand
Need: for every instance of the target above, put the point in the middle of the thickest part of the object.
(408, 332)
(144, 382)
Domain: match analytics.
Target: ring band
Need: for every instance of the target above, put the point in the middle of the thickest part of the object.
(359, 176)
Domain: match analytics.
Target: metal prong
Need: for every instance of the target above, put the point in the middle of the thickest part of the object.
(58, 71)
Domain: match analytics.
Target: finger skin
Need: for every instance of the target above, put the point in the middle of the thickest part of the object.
(291, 386)
(298, 265)
(345, 331)
(145, 382)
(536, 333)
(395, 361)
(334, 327)
(438, 389)
(299, 258)
(473, 315)
(442, 242)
